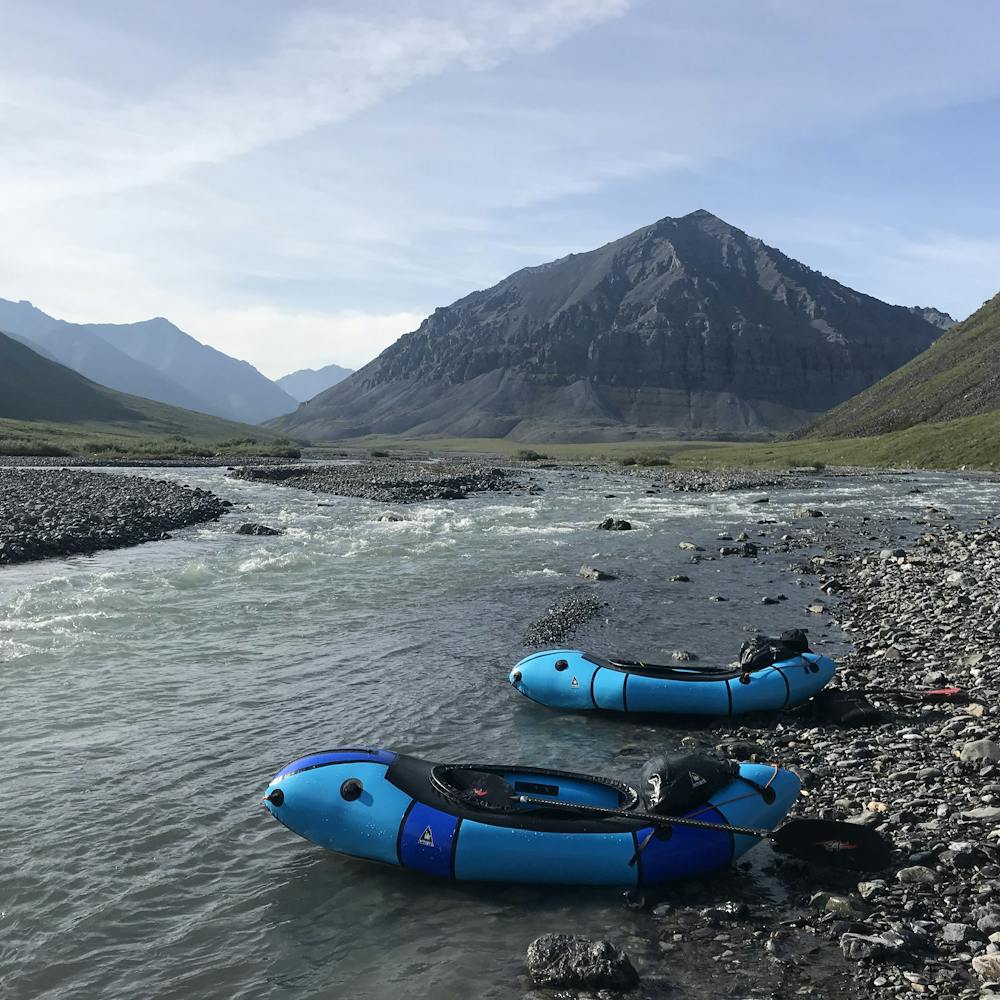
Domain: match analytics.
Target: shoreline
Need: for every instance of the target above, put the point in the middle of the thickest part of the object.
(53, 513)
(921, 614)
(920, 617)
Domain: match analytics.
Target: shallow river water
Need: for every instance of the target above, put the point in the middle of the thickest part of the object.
(149, 694)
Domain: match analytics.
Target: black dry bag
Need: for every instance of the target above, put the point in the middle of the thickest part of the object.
(674, 783)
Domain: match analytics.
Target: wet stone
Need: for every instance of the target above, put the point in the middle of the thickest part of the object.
(561, 961)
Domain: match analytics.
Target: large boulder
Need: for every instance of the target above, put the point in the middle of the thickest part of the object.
(257, 529)
(566, 961)
(615, 524)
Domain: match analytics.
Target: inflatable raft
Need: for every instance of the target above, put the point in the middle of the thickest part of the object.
(569, 678)
(469, 822)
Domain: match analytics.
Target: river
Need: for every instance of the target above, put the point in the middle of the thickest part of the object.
(149, 694)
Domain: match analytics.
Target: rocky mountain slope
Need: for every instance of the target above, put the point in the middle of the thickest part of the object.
(936, 316)
(686, 327)
(153, 359)
(308, 382)
(958, 376)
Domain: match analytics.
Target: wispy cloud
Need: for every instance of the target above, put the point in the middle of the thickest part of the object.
(66, 139)
(293, 175)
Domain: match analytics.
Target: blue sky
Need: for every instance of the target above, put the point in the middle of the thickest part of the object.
(300, 183)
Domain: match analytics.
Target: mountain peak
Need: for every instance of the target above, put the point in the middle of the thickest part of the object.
(686, 327)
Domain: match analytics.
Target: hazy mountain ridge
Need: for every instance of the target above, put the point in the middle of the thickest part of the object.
(686, 327)
(153, 359)
(958, 376)
(306, 383)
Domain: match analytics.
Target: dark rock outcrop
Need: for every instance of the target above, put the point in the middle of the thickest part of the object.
(561, 961)
(688, 326)
(257, 529)
(615, 524)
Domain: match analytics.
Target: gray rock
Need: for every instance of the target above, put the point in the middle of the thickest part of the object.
(860, 946)
(955, 933)
(389, 480)
(842, 906)
(917, 875)
(987, 967)
(257, 529)
(615, 524)
(592, 573)
(985, 814)
(566, 961)
(746, 549)
(981, 750)
(809, 512)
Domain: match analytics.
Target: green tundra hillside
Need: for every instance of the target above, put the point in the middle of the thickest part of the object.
(48, 409)
(957, 376)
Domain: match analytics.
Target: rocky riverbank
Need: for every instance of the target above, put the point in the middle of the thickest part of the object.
(59, 512)
(389, 480)
(924, 771)
(79, 462)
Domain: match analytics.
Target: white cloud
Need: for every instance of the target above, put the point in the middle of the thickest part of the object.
(311, 183)
(280, 341)
(64, 138)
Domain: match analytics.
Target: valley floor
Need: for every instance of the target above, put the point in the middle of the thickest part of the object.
(969, 443)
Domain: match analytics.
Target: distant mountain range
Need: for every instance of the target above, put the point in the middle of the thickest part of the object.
(38, 396)
(308, 382)
(959, 376)
(687, 327)
(153, 359)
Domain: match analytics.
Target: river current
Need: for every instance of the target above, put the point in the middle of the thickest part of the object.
(149, 694)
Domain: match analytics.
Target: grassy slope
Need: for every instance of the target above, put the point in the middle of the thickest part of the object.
(33, 387)
(958, 376)
(973, 442)
(49, 409)
(174, 434)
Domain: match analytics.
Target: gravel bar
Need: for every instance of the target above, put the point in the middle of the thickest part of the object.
(925, 774)
(61, 512)
(389, 481)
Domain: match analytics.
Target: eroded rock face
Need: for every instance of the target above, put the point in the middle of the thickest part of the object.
(686, 325)
(561, 961)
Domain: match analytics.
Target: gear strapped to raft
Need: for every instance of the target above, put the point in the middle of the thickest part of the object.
(674, 783)
(756, 654)
(762, 651)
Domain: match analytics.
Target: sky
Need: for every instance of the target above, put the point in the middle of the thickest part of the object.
(300, 183)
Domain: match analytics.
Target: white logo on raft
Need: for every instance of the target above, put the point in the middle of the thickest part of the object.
(574, 683)
(426, 838)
